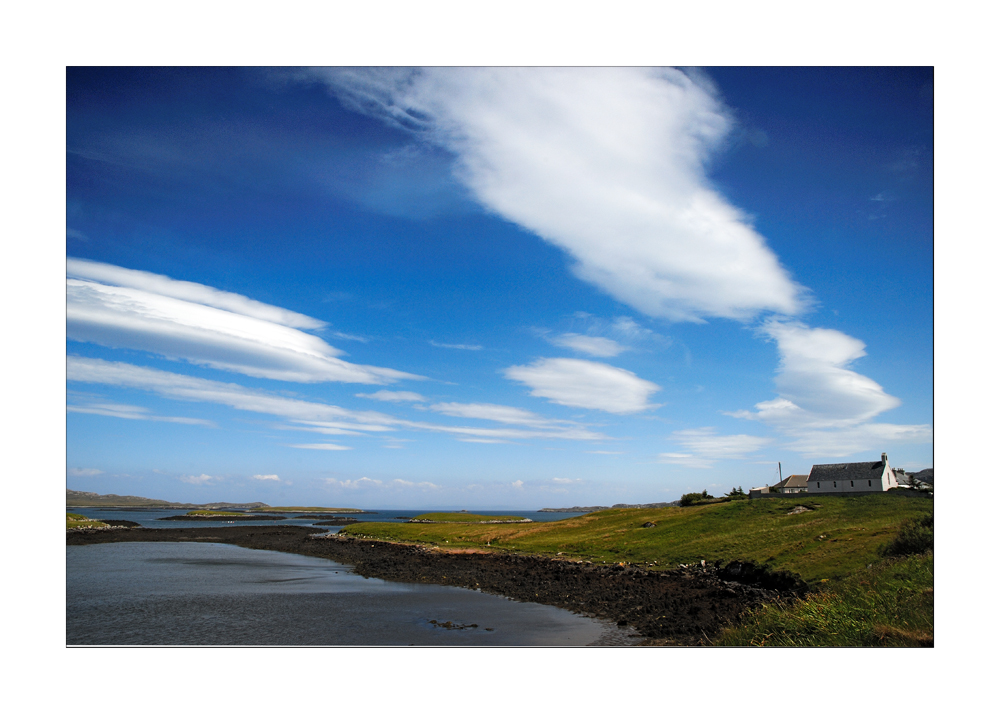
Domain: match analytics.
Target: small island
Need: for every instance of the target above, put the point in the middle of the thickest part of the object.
(221, 516)
(463, 517)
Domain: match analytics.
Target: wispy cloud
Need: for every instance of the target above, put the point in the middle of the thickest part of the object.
(117, 307)
(581, 383)
(606, 163)
(266, 477)
(322, 447)
(76, 471)
(129, 411)
(302, 415)
(595, 346)
(456, 347)
(384, 395)
(494, 412)
(202, 480)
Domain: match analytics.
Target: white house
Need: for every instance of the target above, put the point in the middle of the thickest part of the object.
(863, 477)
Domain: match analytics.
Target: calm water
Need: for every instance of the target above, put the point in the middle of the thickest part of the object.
(215, 594)
(150, 518)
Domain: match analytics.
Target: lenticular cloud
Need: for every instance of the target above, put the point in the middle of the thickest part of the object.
(606, 163)
(117, 307)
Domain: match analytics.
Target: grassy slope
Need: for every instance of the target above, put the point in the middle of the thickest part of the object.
(759, 530)
(890, 604)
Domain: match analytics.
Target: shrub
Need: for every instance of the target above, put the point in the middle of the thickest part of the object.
(689, 499)
(915, 536)
(737, 494)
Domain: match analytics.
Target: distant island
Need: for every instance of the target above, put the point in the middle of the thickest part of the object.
(89, 499)
(591, 509)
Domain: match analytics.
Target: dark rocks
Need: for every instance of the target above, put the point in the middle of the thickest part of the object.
(336, 522)
(649, 524)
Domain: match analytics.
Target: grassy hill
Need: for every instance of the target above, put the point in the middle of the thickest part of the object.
(89, 499)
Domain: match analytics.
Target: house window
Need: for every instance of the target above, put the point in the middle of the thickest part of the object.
(835, 484)
(869, 482)
(852, 484)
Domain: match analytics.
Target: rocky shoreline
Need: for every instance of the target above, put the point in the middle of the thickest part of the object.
(685, 606)
(222, 518)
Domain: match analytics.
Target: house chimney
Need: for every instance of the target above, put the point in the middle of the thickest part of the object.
(885, 459)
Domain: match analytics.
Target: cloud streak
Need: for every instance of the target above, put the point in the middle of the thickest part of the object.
(303, 415)
(609, 164)
(116, 307)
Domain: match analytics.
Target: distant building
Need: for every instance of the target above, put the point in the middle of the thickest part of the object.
(866, 476)
(792, 484)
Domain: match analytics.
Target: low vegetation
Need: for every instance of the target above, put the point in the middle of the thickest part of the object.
(889, 604)
(832, 538)
(75, 520)
(867, 558)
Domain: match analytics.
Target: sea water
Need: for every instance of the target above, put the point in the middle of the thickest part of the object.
(219, 594)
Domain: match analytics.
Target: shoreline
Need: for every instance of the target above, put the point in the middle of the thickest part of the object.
(681, 607)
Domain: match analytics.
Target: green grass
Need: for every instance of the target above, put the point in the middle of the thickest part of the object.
(890, 604)
(464, 518)
(838, 537)
(75, 520)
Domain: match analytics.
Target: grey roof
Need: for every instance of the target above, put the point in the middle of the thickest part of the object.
(846, 472)
(795, 482)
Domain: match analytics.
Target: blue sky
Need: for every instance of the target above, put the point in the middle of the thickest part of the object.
(494, 288)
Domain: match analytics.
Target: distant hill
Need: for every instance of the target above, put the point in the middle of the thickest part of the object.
(591, 509)
(82, 499)
(927, 476)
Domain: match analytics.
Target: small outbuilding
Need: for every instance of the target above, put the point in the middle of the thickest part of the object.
(865, 476)
(793, 484)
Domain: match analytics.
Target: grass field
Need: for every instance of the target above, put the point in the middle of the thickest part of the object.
(860, 595)
(464, 518)
(834, 539)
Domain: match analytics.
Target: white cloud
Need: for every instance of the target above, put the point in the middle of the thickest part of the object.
(519, 484)
(384, 395)
(410, 484)
(581, 383)
(705, 442)
(304, 415)
(456, 347)
(494, 412)
(484, 441)
(707, 447)
(606, 163)
(202, 480)
(823, 405)
(201, 325)
(267, 477)
(128, 411)
(562, 480)
(76, 471)
(689, 460)
(322, 447)
(356, 483)
(596, 346)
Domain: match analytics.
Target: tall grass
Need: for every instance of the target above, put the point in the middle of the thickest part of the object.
(890, 604)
